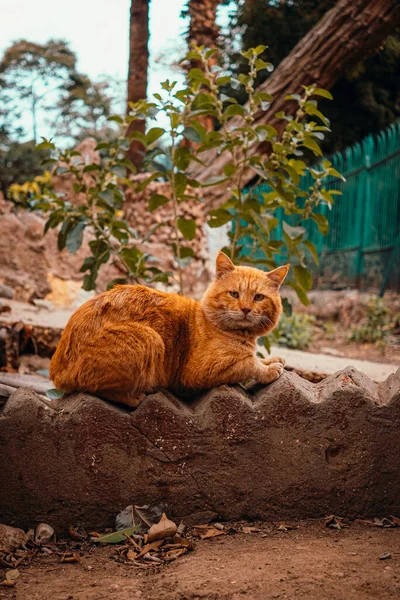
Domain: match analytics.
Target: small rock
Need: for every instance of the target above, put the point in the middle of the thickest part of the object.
(43, 534)
(385, 556)
(219, 526)
(6, 291)
(11, 538)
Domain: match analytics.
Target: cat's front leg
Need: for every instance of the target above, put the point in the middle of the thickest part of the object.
(273, 359)
(267, 373)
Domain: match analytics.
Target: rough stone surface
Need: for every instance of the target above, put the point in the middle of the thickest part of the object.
(288, 450)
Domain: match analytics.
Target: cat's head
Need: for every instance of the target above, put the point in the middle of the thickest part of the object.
(244, 298)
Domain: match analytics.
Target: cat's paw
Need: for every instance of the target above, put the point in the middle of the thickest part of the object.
(271, 373)
(273, 360)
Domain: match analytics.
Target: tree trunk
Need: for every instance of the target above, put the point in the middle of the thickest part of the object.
(349, 31)
(203, 31)
(138, 64)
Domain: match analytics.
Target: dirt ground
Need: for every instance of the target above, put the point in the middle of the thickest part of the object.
(310, 563)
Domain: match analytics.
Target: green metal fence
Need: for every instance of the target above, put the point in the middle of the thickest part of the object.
(362, 248)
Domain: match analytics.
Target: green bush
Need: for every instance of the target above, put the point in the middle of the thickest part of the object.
(168, 159)
(296, 331)
(377, 326)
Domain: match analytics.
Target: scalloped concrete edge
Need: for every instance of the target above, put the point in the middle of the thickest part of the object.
(292, 449)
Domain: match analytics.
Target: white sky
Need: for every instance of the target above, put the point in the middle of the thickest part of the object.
(97, 30)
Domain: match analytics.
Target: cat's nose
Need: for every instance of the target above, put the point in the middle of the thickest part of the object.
(246, 311)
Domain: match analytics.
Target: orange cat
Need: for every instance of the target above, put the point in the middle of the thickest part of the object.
(134, 339)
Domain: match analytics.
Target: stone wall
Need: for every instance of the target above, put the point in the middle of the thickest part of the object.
(289, 450)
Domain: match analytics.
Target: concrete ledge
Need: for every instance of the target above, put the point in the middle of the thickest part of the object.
(292, 449)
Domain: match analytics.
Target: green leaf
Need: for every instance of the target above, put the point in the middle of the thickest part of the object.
(93, 167)
(229, 169)
(312, 249)
(45, 145)
(301, 294)
(103, 146)
(234, 110)
(322, 92)
(157, 200)
(74, 237)
(321, 221)
(259, 49)
(117, 281)
(116, 118)
(311, 144)
(310, 109)
(267, 344)
(293, 232)
(287, 307)
(261, 64)
(214, 181)
(219, 217)
(303, 277)
(131, 257)
(148, 180)
(191, 134)
(55, 219)
(187, 227)
(55, 394)
(116, 537)
(184, 251)
(181, 182)
(153, 135)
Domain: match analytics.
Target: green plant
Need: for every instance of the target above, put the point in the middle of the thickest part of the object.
(376, 328)
(185, 139)
(295, 331)
(330, 330)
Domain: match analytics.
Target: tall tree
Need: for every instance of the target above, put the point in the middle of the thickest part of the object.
(34, 76)
(345, 34)
(367, 94)
(203, 31)
(138, 66)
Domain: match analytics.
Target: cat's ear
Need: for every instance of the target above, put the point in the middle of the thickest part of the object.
(224, 265)
(277, 276)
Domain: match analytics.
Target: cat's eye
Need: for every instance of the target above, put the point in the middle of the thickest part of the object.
(234, 294)
(259, 297)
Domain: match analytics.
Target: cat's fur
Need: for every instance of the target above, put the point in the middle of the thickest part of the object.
(134, 339)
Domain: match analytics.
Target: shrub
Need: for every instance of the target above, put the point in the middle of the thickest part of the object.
(170, 154)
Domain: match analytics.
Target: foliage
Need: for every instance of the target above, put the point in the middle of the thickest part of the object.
(101, 191)
(330, 330)
(377, 326)
(44, 80)
(170, 152)
(293, 331)
(19, 162)
(373, 84)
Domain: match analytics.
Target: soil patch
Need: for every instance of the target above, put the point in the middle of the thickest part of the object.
(310, 563)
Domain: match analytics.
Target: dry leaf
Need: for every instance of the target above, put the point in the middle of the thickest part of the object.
(165, 528)
(12, 575)
(70, 558)
(77, 533)
(250, 530)
(174, 554)
(334, 522)
(131, 555)
(208, 531)
(8, 582)
(395, 520)
(384, 522)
